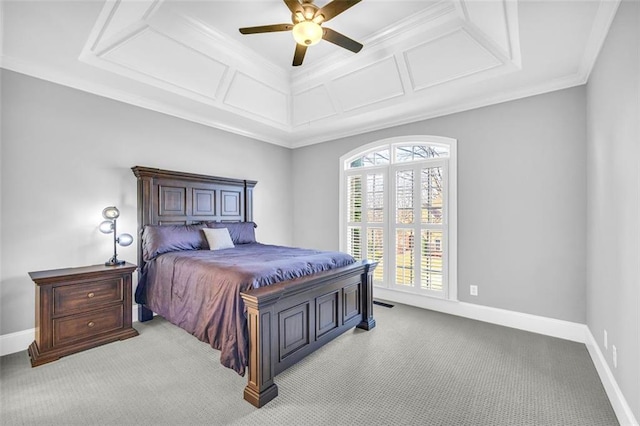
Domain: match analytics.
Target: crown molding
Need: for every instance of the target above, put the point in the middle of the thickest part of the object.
(54, 76)
(297, 139)
(513, 27)
(604, 18)
(532, 90)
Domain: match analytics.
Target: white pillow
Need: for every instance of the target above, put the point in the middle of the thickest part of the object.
(218, 238)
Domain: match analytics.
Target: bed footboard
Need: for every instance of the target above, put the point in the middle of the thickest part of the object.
(290, 320)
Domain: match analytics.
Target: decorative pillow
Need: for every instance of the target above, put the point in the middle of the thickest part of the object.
(218, 238)
(241, 232)
(158, 239)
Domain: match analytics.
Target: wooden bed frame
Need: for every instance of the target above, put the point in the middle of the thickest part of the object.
(286, 321)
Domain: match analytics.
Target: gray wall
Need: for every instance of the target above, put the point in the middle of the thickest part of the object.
(521, 200)
(613, 212)
(67, 154)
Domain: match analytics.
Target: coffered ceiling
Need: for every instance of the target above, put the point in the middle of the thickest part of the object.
(420, 59)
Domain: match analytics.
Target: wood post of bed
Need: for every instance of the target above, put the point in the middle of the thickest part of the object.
(367, 322)
(260, 388)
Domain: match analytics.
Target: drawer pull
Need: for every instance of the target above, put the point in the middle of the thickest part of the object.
(91, 324)
(90, 295)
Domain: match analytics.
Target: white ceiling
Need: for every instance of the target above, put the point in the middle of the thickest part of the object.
(421, 59)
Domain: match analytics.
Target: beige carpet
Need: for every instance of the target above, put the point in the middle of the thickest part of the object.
(416, 367)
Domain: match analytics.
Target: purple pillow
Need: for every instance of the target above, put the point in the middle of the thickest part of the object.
(241, 232)
(158, 239)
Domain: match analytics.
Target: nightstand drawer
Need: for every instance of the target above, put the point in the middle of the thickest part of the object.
(77, 327)
(81, 297)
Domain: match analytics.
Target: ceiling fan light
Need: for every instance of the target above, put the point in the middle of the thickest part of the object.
(307, 33)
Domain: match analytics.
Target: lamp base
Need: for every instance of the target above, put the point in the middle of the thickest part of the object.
(114, 262)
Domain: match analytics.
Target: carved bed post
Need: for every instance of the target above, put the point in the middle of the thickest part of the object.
(248, 200)
(367, 297)
(145, 215)
(263, 347)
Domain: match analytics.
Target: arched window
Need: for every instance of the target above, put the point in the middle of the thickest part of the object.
(397, 206)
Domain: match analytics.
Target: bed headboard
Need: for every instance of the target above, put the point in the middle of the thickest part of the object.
(168, 197)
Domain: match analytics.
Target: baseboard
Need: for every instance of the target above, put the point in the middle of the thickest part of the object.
(20, 340)
(16, 342)
(542, 325)
(618, 401)
(536, 324)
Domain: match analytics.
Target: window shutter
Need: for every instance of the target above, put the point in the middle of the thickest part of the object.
(431, 195)
(375, 251)
(354, 242)
(375, 198)
(431, 260)
(355, 198)
(404, 257)
(404, 196)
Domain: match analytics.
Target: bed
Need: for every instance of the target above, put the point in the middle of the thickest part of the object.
(282, 303)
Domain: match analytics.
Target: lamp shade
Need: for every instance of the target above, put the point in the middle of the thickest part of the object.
(111, 212)
(307, 33)
(125, 239)
(106, 227)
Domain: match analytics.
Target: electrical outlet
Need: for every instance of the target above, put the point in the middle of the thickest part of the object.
(606, 340)
(614, 352)
(473, 290)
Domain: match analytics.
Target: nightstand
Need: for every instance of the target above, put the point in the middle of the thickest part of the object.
(80, 308)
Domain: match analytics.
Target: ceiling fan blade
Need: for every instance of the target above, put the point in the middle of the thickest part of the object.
(266, 29)
(299, 55)
(341, 40)
(335, 8)
(294, 6)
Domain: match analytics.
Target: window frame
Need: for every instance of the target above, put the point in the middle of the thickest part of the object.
(450, 215)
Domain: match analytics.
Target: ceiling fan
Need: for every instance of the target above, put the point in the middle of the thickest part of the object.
(307, 19)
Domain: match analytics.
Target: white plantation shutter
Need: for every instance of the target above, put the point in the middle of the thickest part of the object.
(375, 220)
(431, 194)
(375, 251)
(419, 227)
(354, 239)
(404, 196)
(375, 198)
(433, 228)
(405, 257)
(396, 213)
(431, 260)
(354, 242)
(366, 216)
(355, 198)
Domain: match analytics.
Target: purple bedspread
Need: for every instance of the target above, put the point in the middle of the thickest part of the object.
(199, 290)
